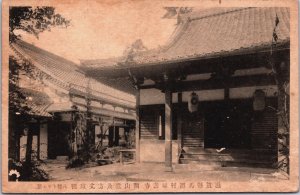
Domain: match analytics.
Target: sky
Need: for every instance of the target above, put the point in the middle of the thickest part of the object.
(103, 30)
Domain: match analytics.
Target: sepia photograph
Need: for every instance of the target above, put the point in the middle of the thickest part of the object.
(141, 96)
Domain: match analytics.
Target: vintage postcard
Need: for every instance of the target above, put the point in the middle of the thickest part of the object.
(104, 96)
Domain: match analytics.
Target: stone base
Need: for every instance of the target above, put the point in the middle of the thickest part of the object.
(62, 158)
(168, 169)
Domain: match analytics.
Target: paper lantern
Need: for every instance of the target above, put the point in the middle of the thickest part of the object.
(25, 131)
(259, 100)
(193, 102)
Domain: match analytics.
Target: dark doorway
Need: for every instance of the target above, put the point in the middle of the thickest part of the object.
(113, 136)
(58, 139)
(228, 124)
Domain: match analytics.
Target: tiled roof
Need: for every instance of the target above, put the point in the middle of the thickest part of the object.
(60, 107)
(39, 110)
(215, 32)
(67, 73)
(225, 32)
(38, 102)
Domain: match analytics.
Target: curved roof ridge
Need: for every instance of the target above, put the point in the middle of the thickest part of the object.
(223, 11)
(178, 32)
(31, 46)
(68, 77)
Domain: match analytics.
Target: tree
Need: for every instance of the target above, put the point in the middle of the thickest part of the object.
(32, 20)
(280, 64)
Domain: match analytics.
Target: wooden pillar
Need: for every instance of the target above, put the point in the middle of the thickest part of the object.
(168, 130)
(179, 125)
(39, 140)
(117, 136)
(29, 146)
(137, 128)
(226, 93)
(111, 135)
(18, 146)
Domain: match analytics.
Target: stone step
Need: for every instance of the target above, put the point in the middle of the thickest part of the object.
(201, 157)
(248, 163)
(200, 150)
(235, 158)
(62, 158)
(194, 145)
(239, 156)
(200, 162)
(196, 166)
(227, 163)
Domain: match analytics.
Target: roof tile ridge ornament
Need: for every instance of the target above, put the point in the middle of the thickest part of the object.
(181, 26)
(131, 52)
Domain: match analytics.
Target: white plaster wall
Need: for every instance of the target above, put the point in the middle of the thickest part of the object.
(43, 141)
(154, 150)
(151, 96)
(23, 141)
(155, 96)
(205, 95)
(247, 92)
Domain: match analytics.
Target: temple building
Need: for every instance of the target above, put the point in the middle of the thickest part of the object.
(63, 101)
(213, 94)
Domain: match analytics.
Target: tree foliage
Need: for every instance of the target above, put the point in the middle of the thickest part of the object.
(33, 20)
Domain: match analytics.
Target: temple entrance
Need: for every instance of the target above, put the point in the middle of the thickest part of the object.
(58, 139)
(219, 124)
(228, 124)
(217, 127)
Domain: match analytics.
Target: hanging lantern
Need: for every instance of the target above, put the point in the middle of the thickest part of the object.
(25, 131)
(259, 100)
(193, 102)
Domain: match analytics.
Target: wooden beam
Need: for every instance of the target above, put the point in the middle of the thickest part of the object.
(235, 60)
(226, 89)
(168, 129)
(232, 82)
(77, 93)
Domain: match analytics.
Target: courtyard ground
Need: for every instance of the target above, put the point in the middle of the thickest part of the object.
(144, 172)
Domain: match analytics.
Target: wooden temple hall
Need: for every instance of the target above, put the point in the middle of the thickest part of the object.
(210, 95)
(68, 109)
